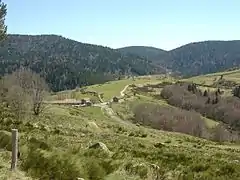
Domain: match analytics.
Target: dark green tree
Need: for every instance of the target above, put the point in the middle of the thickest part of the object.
(236, 91)
(3, 27)
(205, 93)
(189, 87)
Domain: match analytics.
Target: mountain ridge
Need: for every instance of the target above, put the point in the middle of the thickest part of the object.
(67, 63)
(197, 58)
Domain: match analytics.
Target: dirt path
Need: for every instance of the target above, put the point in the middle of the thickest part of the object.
(124, 89)
(105, 107)
(100, 98)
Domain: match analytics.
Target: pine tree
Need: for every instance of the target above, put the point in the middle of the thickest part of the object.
(3, 27)
(205, 93)
(236, 91)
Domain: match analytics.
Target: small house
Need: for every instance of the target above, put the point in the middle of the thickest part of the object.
(86, 102)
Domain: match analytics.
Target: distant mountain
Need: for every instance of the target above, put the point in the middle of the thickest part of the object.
(150, 53)
(66, 63)
(203, 57)
(193, 58)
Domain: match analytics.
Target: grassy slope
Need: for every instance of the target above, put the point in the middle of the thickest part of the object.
(125, 109)
(109, 89)
(132, 144)
(113, 88)
(208, 79)
(74, 129)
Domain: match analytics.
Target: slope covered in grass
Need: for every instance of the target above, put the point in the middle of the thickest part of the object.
(61, 137)
(209, 79)
(113, 88)
(66, 143)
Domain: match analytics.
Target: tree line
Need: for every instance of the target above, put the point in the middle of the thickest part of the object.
(67, 64)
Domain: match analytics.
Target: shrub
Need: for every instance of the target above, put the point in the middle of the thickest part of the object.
(220, 133)
(169, 119)
(52, 165)
(138, 169)
(225, 109)
(94, 170)
(236, 91)
(5, 140)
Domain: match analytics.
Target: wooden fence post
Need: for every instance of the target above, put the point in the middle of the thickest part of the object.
(14, 149)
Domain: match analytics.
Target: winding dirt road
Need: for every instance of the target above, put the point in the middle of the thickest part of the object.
(105, 107)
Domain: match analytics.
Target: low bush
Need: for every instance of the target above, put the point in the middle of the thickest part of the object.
(209, 104)
(169, 119)
(5, 140)
(44, 162)
(52, 165)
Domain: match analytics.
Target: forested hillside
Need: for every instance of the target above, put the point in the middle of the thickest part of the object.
(150, 53)
(66, 63)
(194, 58)
(204, 57)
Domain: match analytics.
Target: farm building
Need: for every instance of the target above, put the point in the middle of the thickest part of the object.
(86, 102)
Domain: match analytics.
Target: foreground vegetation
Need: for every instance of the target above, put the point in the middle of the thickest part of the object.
(151, 134)
(64, 142)
(56, 145)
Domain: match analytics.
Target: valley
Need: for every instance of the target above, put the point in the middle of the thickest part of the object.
(62, 137)
(88, 90)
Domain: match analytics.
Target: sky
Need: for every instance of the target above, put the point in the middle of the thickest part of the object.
(165, 24)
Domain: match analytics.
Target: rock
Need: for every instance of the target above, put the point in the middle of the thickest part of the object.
(35, 126)
(46, 128)
(93, 125)
(159, 145)
(121, 100)
(60, 126)
(82, 135)
(236, 161)
(154, 166)
(100, 145)
(80, 179)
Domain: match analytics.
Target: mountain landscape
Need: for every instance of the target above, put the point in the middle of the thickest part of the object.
(151, 53)
(194, 58)
(76, 111)
(158, 128)
(91, 112)
(66, 64)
